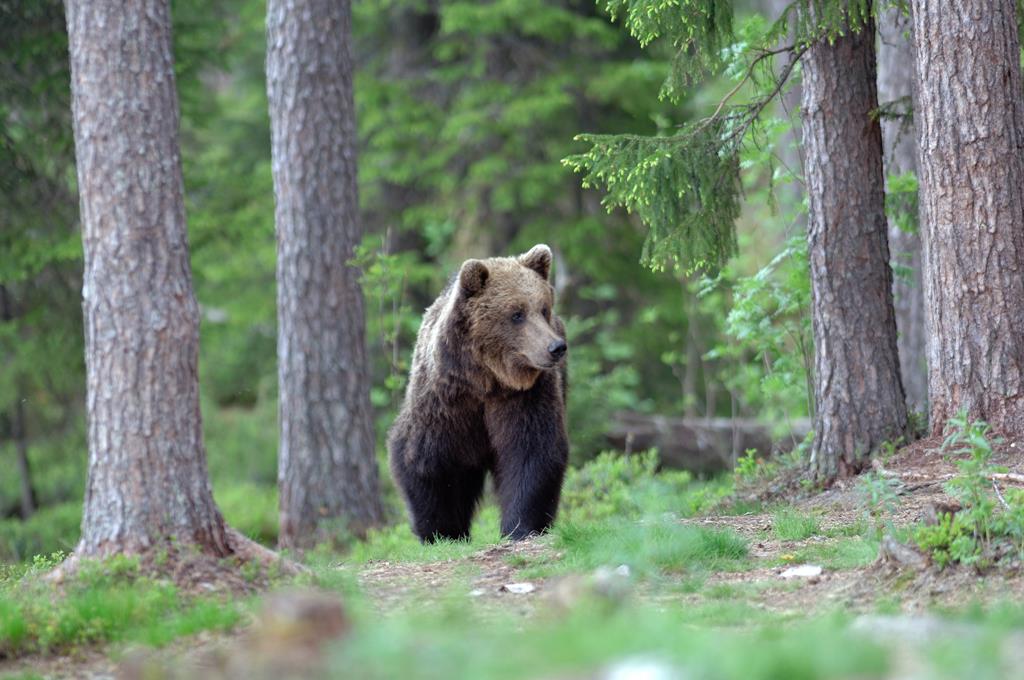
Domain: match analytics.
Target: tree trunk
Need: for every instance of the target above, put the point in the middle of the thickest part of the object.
(858, 393)
(147, 480)
(896, 82)
(968, 110)
(327, 465)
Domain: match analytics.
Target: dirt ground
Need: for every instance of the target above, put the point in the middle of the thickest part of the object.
(919, 471)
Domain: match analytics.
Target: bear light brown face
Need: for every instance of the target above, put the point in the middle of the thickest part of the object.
(509, 304)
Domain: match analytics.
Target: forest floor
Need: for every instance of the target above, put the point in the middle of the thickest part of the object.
(712, 595)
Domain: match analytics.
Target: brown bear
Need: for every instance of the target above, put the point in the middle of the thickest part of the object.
(486, 393)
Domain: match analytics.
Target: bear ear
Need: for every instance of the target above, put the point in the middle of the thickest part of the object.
(538, 259)
(472, 277)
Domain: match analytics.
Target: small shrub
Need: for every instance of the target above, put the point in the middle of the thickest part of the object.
(750, 468)
(617, 485)
(951, 540)
(879, 498)
(988, 519)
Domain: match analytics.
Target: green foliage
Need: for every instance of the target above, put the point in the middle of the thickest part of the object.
(750, 469)
(392, 323)
(252, 509)
(616, 485)
(685, 187)
(747, 465)
(691, 25)
(951, 540)
(879, 496)
(987, 519)
(602, 380)
(689, 207)
(241, 443)
(770, 321)
(52, 528)
(901, 207)
(41, 338)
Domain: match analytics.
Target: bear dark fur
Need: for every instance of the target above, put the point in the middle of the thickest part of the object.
(486, 394)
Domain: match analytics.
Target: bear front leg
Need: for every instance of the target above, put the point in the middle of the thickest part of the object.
(527, 433)
(440, 489)
(442, 503)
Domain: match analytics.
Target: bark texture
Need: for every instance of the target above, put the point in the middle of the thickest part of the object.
(895, 83)
(971, 171)
(859, 396)
(327, 465)
(147, 478)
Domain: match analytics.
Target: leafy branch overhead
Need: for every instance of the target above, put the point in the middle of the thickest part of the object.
(685, 186)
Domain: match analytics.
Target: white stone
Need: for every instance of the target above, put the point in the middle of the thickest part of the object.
(519, 588)
(802, 571)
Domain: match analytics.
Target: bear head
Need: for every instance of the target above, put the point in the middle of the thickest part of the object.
(511, 327)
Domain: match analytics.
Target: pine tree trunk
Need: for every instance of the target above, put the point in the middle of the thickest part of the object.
(896, 82)
(859, 397)
(147, 479)
(327, 465)
(969, 118)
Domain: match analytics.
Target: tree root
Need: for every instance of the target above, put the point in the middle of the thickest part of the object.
(894, 552)
(196, 567)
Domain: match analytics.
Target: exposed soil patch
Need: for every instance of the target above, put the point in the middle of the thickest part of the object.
(917, 474)
(395, 586)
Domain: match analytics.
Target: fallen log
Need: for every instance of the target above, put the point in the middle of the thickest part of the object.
(702, 445)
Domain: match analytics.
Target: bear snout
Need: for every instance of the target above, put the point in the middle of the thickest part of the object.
(557, 348)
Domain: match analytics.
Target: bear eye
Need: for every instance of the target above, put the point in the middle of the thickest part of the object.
(518, 317)
(546, 312)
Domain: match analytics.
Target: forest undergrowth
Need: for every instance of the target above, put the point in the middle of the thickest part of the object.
(645, 569)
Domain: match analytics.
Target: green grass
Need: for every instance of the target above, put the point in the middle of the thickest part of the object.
(859, 528)
(734, 591)
(839, 554)
(650, 547)
(716, 640)
(791, 525)
(250, 508)
(107, 602)
(398, 544)
(452, 643)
